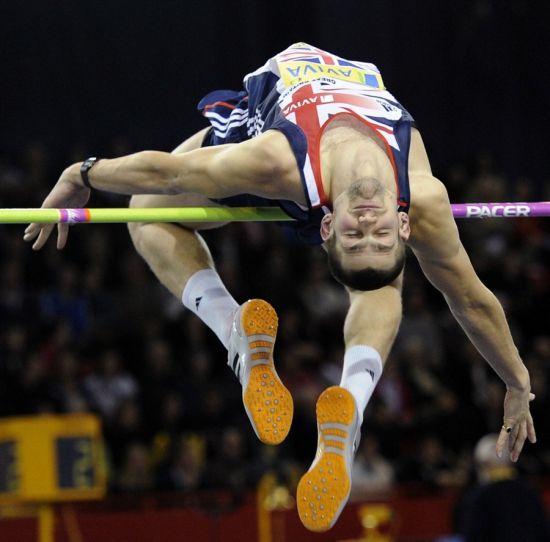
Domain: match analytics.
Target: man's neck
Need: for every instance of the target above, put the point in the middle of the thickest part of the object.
(351, 151)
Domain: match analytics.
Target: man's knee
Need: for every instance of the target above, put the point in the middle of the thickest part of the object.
(137, 235)
(145, 235)
(137, 229)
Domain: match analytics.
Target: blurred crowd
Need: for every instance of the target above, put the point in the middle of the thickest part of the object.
(89, 329)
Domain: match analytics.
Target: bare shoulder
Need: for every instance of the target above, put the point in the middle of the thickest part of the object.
(433, 230)
(428, 194)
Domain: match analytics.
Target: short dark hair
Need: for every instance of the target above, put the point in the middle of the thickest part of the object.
(368, 278)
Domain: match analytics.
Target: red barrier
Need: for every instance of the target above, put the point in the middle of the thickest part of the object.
(222, 518)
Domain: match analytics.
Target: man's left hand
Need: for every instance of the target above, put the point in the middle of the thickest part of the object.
(518, 423)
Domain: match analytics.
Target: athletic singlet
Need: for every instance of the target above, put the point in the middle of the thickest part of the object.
(298, 92)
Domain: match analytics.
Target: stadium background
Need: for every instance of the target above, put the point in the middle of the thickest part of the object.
(89, 329)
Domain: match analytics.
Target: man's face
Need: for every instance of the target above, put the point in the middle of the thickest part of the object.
(366, 226)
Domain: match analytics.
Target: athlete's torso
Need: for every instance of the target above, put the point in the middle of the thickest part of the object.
(299, 92)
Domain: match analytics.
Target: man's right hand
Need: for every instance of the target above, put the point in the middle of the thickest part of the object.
(69, 192)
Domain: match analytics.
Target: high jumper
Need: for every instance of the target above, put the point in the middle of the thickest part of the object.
(322, 138)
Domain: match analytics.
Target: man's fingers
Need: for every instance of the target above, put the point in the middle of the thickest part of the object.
(531, 397)
(30, 228)
(501, 442)
(519, 442)
(41, 232)
(31, 231)
(512, 437)
(531, 434)
(45, 232)
(62, 234)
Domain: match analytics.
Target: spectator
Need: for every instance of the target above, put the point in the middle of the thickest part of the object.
(372, 473)
(432, 465)
(126, 429)
(110, 385)
(187, 467)
(66, 389)
(500, 507)
(232, 468)
(66, 302)
(136, 473)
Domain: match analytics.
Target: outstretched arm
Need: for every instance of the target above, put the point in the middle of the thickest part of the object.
(264, 166)
(445, 263)
(216, 172)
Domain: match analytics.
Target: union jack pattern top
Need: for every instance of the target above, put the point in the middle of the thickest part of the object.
(299, 91)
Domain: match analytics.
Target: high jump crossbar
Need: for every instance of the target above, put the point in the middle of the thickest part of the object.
(237, 214)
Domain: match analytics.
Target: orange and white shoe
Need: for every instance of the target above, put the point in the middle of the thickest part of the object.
(267, 402)
(324, 489)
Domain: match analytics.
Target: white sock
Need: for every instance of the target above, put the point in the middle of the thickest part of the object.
(361, 372)
(206, 296)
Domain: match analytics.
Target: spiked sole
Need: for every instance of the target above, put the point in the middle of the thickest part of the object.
(268, 403)
(324, 490)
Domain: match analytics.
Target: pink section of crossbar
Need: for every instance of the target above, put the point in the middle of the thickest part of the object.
(73, 216)
(505, 210)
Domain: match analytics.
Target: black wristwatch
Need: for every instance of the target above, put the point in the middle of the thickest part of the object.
(85, 168)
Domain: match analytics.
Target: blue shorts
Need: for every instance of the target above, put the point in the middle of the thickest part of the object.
(306, 227)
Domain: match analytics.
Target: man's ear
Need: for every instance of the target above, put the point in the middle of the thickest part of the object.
(404, 226)
(326, 226)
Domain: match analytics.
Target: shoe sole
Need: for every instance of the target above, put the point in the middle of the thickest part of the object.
(267, 401)
(324, 490)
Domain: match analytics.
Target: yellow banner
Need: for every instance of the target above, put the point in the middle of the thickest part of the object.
(294, 72)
